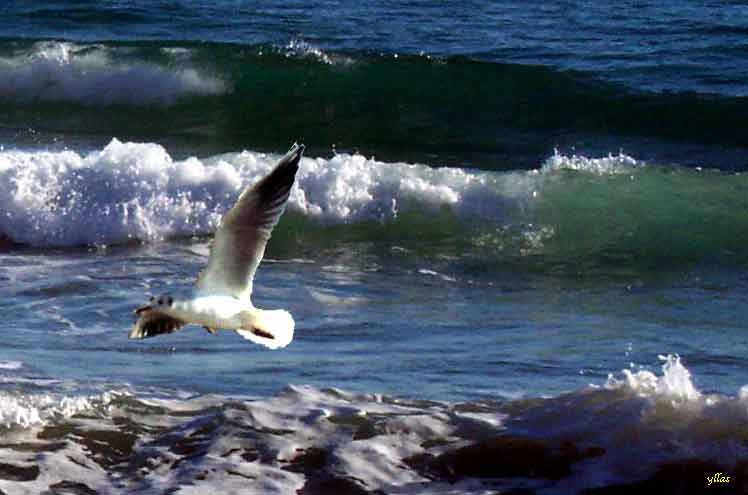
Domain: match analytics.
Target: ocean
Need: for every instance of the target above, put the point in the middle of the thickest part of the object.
(516, 251)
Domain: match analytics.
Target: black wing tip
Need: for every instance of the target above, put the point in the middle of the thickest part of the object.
(293, 155)
(279, 181)
(297, 148)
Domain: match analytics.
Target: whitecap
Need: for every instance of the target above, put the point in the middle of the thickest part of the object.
(137, 191)
(96, 75)
(611, 164)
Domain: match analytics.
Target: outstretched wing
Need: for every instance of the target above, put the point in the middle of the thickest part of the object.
(151, 323)
(239, 243)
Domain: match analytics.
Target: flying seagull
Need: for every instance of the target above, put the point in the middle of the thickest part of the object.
(221, 299)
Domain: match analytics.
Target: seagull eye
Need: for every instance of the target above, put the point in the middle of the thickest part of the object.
(160, 301)
(169, 301)
(153, 298)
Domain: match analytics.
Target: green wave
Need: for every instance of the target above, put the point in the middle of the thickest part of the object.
(650, 219)
(454, 111)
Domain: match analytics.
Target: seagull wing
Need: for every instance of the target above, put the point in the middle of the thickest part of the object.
(239, 242)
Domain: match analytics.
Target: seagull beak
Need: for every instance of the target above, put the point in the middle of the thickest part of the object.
(142, 309)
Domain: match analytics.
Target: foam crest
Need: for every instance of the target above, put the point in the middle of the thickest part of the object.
(132, 192)
(95, 75)
(349, 188)
(136, 191)
(23, 410)
(300, 48)
(611, 164)
(660, 419)
(674, 384)
(121, 193)
(331, 441)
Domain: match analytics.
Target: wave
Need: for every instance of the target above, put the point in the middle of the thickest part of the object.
(416, 108)
(137, 192)
(639, 432)
(576, 212)
(95, 75)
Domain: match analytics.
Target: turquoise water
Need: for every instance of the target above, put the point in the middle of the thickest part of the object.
(515, 251)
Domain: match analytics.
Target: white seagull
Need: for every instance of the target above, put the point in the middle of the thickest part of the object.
(221, 299)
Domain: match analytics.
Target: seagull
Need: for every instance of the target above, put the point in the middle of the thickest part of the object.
(221, 298)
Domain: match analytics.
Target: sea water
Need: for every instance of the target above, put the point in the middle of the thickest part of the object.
(515, 251)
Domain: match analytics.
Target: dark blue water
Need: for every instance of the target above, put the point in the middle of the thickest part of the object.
(516, 250)
(659, 46)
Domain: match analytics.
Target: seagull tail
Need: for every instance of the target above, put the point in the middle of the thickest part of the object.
(271, 328)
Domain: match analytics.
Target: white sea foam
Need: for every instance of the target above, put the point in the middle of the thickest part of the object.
(211, 443)
(137, 191)
(306, 437)
(304, 420)
(95, 75)
(674, 384)
(612, 164)
(660, 418)
(130, 191)
(24, 410)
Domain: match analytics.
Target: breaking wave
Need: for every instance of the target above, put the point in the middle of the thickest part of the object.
(639, 431)
(574, 210)
(97, 75)
(451, 110)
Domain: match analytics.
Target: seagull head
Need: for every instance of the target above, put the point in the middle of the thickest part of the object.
(158, 303)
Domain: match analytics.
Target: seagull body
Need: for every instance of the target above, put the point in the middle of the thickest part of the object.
(221, 299)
